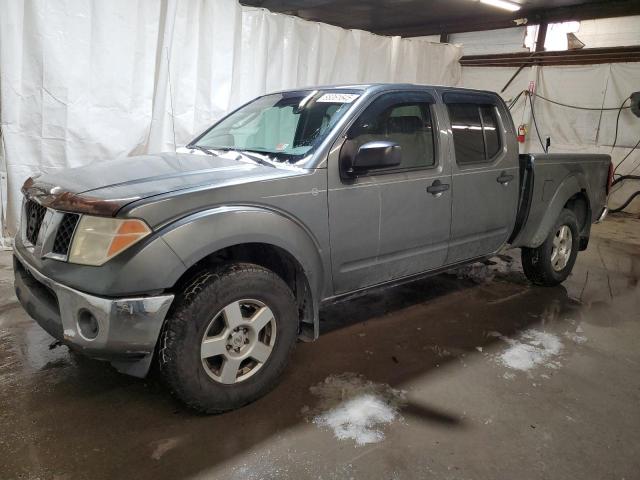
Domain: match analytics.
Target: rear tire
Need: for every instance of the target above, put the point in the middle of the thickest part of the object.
(552, 262)
(228, 337)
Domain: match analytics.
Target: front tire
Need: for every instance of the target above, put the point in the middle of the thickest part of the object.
(228, 337)
(552, 262)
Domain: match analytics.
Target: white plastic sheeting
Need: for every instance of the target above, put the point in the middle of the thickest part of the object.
(89, 81)
(577, 131)
(610, 32)
(505, 40)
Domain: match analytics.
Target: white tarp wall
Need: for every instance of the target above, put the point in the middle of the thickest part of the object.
(89, 81)
(571, 130)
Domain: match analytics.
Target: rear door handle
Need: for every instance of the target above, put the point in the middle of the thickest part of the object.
(437, 188)
(504, 178)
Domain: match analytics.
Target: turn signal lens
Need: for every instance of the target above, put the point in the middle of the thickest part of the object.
(98, 239)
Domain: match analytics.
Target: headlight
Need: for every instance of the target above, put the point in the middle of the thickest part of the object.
(97, 239)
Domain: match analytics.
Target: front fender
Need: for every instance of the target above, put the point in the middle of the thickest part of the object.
(198, 235)
(544, 215)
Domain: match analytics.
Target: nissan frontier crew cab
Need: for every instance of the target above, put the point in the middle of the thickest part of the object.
(213, 262)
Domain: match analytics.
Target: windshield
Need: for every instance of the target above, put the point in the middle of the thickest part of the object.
(284, 126)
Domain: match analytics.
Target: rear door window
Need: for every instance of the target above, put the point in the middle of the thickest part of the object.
(490, 130)
(467, 133)
(476, 138)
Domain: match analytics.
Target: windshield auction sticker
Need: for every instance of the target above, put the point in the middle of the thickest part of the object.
(338, 97)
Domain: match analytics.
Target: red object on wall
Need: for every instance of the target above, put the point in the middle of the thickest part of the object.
(522, 132)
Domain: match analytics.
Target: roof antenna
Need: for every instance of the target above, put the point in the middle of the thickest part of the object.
(173, 122)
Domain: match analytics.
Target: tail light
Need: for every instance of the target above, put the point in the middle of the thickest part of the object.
(610, 178)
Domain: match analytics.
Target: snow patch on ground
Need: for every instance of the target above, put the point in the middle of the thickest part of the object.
(574, 337)
(356, 408)
(481, 272)
(531, 349)
(163, 446)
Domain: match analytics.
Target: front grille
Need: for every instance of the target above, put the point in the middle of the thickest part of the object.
(34, 214)
(65, 233)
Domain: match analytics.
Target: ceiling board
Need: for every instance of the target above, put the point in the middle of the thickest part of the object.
(428, 17)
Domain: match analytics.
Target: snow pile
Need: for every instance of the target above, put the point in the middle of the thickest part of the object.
(358, 419)
(532, 349)
(356, 408)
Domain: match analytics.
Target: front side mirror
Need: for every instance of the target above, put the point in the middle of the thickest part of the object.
(376, 154)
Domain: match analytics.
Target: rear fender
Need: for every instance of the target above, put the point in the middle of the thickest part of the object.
(534, 235)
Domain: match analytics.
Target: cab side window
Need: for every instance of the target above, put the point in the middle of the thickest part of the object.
(476, 138)
(403, 118)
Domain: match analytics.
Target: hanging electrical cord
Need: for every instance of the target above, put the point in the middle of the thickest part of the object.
(535, 123)
(625, 158)
(515, 100)
(577, 107)
(625, 204)
(622, 178)
(594, 109)
(601, 109)
(615, 137)
(634, 169)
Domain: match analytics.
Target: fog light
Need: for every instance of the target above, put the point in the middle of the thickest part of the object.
(88, 325)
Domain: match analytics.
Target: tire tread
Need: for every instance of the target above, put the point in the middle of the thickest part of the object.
(536, 261)
(175, 329)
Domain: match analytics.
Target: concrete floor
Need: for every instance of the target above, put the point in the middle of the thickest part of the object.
(467, 414)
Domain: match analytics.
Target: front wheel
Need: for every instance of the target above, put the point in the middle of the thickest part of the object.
(228, 337)
(552, 262)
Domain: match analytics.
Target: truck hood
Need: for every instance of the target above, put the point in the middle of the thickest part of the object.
(104, 188)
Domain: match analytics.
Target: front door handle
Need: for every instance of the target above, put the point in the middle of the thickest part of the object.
(437, 188)
(504, 178)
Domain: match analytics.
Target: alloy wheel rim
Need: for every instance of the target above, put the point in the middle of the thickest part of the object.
(238, 341)
(562, 245)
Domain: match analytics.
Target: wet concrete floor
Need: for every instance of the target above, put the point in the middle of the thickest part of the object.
(481, 402)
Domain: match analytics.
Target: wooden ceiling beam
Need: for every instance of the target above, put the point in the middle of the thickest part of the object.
(585, 56)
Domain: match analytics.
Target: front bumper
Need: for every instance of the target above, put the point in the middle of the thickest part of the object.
(126, 329)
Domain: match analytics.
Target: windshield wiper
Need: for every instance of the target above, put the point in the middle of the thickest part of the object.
(202, 149)
(212, 150)
(245, 153)
(256, 158)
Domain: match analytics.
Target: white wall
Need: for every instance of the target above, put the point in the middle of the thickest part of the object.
(506, 40)
(610, 32)
(89, 81)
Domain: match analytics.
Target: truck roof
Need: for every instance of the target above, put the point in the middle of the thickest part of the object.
(370, 87)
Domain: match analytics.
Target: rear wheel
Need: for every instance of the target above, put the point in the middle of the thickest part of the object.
(228, 337)
(552, 262)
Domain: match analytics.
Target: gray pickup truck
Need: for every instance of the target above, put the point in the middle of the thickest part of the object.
(216, 260)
